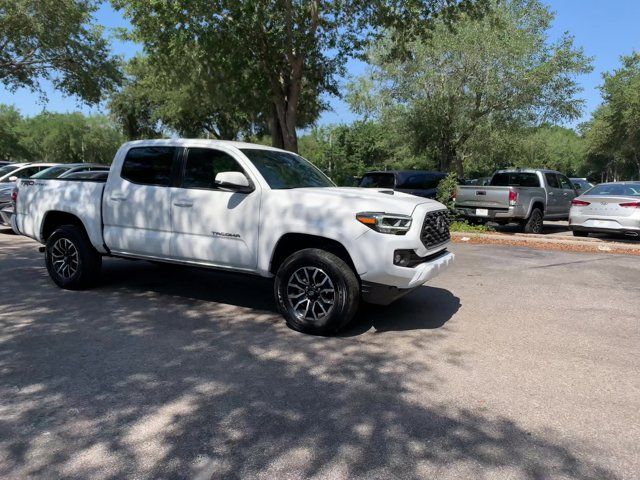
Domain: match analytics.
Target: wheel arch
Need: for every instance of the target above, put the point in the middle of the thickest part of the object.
(54, 219)
(290, 243)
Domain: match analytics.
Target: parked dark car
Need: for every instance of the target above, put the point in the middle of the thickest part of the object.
(415, 182)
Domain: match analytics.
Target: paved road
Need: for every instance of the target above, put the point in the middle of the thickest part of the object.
(515, 364)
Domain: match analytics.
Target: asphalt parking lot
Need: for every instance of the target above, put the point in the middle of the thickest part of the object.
(514, 364)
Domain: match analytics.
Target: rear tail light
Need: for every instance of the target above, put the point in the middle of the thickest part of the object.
(579, 203)
(631, 204)
(513, 197)
(14, 196)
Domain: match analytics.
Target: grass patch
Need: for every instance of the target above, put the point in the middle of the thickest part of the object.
(464, 226)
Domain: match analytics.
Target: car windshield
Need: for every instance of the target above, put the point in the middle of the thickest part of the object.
(377, 180)
(51, 172)
(7, 169)
(284, 170)
(515, 179)
(623, 189)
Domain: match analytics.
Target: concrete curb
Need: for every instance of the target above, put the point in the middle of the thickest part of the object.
(544, 242)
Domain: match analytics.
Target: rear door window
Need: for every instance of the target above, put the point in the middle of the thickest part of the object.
(202, 166)
(149, 165)
(552, 180)
(515, 179)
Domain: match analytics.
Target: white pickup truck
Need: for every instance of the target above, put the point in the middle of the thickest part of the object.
(245, 208)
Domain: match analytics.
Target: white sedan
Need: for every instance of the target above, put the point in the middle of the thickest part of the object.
(607, 208)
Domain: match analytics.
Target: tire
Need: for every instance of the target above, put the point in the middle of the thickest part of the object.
(297, 281)
(535, 222)
(578, 233)
(71, 246)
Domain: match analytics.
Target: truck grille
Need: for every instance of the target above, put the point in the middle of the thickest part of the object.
(435, 229)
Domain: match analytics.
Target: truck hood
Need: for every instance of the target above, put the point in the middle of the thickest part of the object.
(360, 199)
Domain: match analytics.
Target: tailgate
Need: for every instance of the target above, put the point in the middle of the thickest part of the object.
(483, 197)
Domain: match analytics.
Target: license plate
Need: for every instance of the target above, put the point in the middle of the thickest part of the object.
(482, 212)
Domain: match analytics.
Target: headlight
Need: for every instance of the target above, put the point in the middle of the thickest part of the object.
(385, 222)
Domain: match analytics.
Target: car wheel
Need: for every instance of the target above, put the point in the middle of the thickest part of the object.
(535, 222)
(71, 260)
(577, 233)
(316, 292)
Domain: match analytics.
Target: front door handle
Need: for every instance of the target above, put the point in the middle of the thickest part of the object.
(118, 198)
(183, 203)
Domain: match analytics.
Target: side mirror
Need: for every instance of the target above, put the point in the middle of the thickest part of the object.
(13, 179)
(233, 181)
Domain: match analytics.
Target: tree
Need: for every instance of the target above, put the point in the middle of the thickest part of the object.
(285, 54)
(69, 138)
(55, 40)
(10, 125)
(497, 71)
(613, 134)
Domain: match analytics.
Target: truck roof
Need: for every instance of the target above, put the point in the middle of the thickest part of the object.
(404, 172)
(201, 142)
(527, 170)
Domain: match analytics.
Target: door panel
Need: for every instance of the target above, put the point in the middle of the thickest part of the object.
(568, 194)
(137, 212)
(554, 194)
(211, 225)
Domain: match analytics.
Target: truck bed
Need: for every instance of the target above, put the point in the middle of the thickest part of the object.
(82, 198)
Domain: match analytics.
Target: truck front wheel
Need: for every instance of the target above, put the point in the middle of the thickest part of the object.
(316, 292)
(71, 260)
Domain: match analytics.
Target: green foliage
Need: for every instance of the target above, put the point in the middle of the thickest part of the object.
(260, 62)
(613, 134)
(464, 226)
(57, 137)
(10, 125)
(447, 189)
(497, 72)
(55, 40)
(346, 152)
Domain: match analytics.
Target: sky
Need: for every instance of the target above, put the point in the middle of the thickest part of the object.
(606, 29)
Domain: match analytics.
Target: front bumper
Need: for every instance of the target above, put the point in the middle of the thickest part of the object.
(383, 294)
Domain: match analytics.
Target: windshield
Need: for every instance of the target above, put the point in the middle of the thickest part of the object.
(515, 179)
(7, 169)
(286, 170)
(377, 180)
(615, 189)
(51, 172)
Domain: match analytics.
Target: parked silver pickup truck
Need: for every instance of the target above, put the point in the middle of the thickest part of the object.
(524, 196)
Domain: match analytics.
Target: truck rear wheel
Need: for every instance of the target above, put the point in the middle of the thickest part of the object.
(535, 222)
(71, 260)
(316, 292)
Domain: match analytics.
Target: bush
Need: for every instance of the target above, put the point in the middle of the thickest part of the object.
(446, 190)
(464, 226)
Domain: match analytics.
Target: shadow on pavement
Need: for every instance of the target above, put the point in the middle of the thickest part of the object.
(151, 377)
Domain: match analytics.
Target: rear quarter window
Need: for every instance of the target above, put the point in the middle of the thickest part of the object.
(149, 165)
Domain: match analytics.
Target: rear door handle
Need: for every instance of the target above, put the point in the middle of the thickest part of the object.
(118, 198)
(183, 203)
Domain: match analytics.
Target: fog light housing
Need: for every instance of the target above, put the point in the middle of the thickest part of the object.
(402, 258)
